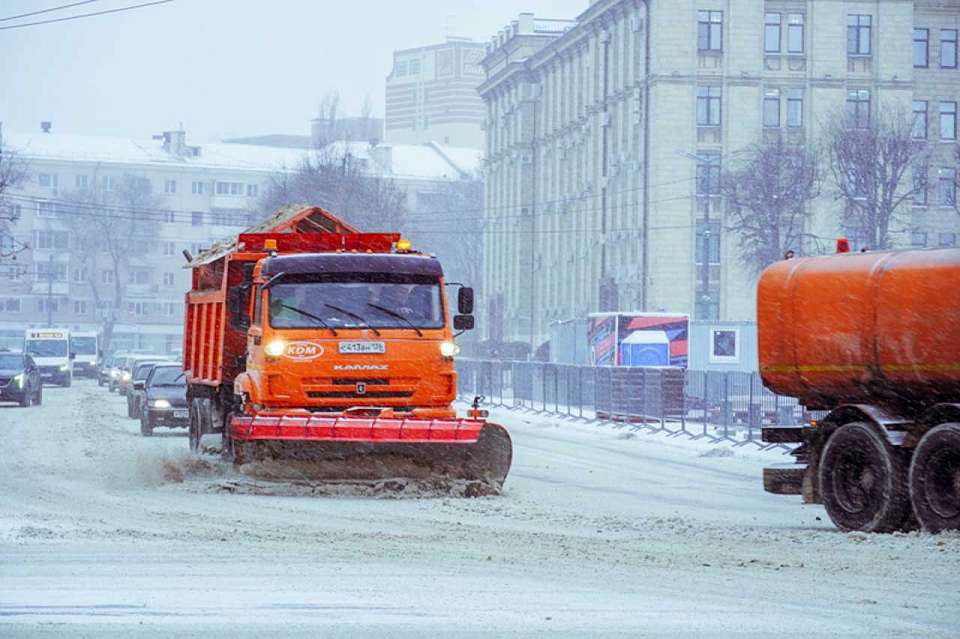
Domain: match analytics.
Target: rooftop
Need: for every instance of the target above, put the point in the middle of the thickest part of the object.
(430, 161)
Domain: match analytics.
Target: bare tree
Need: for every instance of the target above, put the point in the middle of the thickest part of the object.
(328, 117)
(336, 180)
(13, 172)
(768, 197)
(110, 228)
(877, 167)
(449, 223)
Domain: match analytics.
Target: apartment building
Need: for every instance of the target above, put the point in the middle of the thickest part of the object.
(607, 134)
(192, 196)
(431, 95)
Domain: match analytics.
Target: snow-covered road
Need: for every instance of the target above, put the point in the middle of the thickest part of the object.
(600, 532)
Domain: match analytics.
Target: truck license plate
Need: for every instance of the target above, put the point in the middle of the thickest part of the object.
(179, 414)
(362, 347)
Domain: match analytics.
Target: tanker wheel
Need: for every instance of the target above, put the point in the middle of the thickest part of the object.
(935, 479)
(193, 430)
(863, 480)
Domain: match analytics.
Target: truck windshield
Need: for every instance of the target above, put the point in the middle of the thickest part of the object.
(84, 345)
(378, 301)
(47, 348)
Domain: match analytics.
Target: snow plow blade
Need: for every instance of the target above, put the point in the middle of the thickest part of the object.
(355, 449)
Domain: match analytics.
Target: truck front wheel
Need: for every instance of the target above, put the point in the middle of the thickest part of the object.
(863, 480)
(935, 479)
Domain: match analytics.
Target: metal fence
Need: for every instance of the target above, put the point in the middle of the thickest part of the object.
(720, 406)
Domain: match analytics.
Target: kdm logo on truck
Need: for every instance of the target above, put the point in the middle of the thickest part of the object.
(303, 351)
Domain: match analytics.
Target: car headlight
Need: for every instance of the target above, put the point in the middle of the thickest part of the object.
(449, 349)
(19, 380)
(160, 403)
(65, 368)
(276, 348)
(114, 373)
(125, 376)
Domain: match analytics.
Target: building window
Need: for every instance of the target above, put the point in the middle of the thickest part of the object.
(858, 108)
(80, 275)
(771, 108)
(919, 119)
(400, 69)
(51, 240)
(708, 106)
(46, 209)
(80, 307)
(197, 188)
(414, 67)
(229, 188)
(795, 108)
(168, 248)
(710, 30)
(139, 308)
(169, 217)
(108, 183)
(82, 181)
(11, 305)
(48, 180)
(708, 235)
(106, 277)
(921, 48)
(859, 29)
(795, 35)
(708, 173)
(168, 279)
(918, 239)
(948, 48)
(724, 345)
(170, 186)
(771, 33)
(948, 186)
(139, 276)
(46, 271)
(172, 308)
(919, 188)
(252, 190)
(948, 239)
(43, 305)
(948, 120)
(196, 218)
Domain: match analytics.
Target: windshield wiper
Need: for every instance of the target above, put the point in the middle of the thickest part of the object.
(400, 317)
(354, 316)
(310, 315)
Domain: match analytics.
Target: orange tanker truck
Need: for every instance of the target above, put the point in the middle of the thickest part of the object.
(324, 353)
(874, 339)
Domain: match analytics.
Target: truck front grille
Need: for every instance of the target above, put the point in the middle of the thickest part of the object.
(356, 395)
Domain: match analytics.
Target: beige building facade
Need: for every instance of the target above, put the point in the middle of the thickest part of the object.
(431, 95)
(606, 136)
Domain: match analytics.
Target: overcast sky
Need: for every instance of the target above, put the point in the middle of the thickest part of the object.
(223, 67)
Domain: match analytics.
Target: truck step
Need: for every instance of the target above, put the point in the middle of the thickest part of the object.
(784, 479)
(783, 434)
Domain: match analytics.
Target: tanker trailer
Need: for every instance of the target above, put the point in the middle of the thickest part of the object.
(874, 340)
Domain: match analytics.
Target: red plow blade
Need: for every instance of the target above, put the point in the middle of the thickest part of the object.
(337, 448)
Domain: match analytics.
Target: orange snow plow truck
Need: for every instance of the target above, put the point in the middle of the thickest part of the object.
(319, 352)
(872, 339)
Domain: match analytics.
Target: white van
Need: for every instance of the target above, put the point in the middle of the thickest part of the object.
(50, 349)
(84, 346)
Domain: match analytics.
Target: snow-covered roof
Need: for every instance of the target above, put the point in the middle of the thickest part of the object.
(118, 150)
(431, 161)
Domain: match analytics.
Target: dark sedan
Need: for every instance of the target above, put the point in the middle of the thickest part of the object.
(20, 379)
(164, 399)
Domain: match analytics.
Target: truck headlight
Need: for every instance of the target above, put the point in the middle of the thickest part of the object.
(160, 403)
(65, 368)
(19, 380)
(276, 348)
(124, 376)
(449, 349)
(114, 372)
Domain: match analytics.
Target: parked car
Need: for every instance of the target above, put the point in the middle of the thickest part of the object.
(135, 391)
(164, 399)
(20, 379)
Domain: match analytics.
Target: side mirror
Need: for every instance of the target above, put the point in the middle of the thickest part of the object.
(463, 322)
(139, 385)
(465, 301)
(73, 356)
